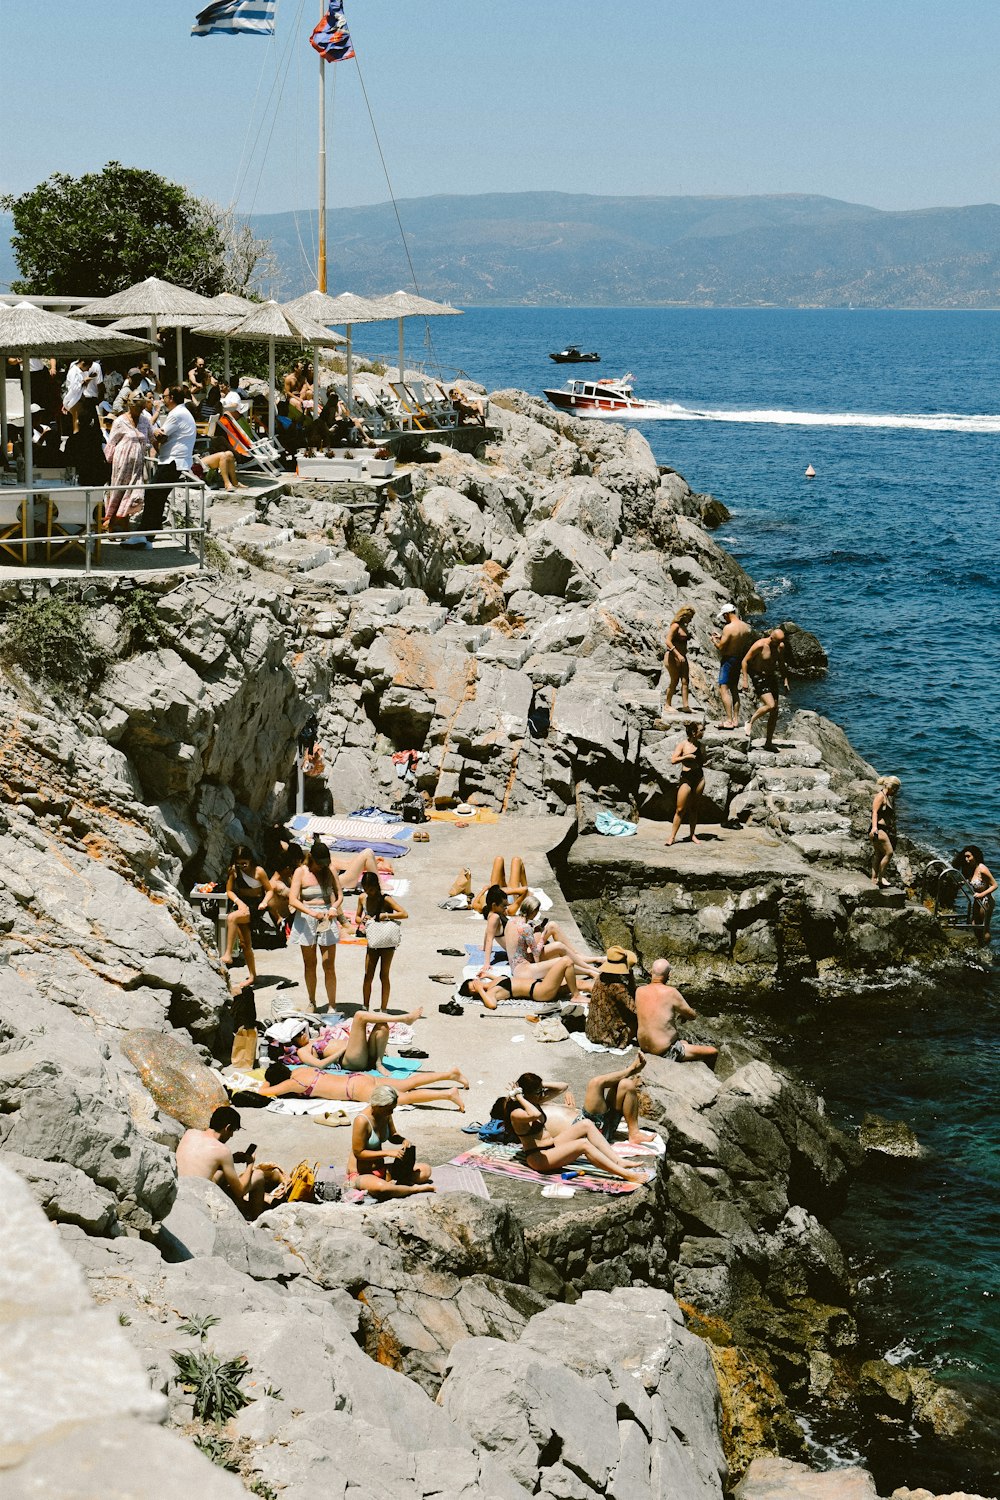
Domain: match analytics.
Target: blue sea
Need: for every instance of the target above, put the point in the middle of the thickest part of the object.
(890, 555)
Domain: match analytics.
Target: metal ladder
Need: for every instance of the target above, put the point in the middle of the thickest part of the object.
(949, 887)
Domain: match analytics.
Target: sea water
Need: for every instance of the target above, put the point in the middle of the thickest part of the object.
(890, 555)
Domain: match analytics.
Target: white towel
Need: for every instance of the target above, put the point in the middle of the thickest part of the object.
(583, 1040)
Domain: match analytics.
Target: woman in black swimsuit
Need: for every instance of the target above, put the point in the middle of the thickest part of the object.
(690, 756)
(545, 1151)
(883, 830)
(247, 886)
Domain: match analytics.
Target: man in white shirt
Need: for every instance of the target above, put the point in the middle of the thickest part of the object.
(174, 437)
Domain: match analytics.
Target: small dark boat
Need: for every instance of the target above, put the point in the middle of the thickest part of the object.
(572, 355)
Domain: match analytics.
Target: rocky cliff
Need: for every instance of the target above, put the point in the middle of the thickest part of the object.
(502, 614)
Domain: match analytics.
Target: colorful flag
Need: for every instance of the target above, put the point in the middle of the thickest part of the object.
(331, 37)
(253, 16)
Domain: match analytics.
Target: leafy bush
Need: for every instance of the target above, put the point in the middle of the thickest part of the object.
(51, 639)
(141, 623)
(219, 1450)
(216, 556)
(214, 1382)
(368, 551)
(198, 1327)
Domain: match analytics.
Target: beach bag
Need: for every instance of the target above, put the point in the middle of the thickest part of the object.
(382, 935)
(244, 1053)
(302, 1184)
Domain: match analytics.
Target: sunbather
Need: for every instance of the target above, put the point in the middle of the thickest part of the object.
(361, 1050)
(516, 888)
(610, 1098)
(351, 867)
(545, 1151)
(382, 1162)
(559, 978)
(554, 943)
(314, 1083)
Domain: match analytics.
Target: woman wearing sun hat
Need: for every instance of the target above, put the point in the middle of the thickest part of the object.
(611, 1013)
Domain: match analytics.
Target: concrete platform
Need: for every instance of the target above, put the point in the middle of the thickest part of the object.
(485, 1049)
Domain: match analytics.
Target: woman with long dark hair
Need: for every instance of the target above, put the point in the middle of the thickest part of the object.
(378, 917)
(247, 887)
(317, 902)
(544, 1151)
(973, 866)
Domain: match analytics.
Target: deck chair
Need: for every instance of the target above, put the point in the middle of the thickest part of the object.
(435, 403)
(66, 526)
(206, 432)
(260, 454)
(411, 408)
(365, 411)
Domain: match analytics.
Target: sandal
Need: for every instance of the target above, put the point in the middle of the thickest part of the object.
(442, 978)
(412, 1052)
(451, 1008)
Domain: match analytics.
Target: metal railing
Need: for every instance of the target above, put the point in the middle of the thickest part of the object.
(946, 887)
(51, 519)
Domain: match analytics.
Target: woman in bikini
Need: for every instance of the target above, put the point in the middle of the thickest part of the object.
(377, 915)
(544, 1151)
(362, 1050)
(494, 948)
(287, 862)
(552, 943)
(676, 658)
(516, 888)
(247, 886)
(883, 829)
(301, 1082)
(492, 989)
(689, 754)
(317, 902)
(382, 1162)
(973, 867)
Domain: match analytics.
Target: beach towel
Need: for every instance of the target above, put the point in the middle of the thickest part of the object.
(504, 1161)
(452, 1179)
(446, 815)
(583, 1041)
(363, 829)
(615, 827)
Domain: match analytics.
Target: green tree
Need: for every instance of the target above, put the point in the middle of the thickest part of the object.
(95, 234)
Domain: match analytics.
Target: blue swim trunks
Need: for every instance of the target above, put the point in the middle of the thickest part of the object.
(729, 671)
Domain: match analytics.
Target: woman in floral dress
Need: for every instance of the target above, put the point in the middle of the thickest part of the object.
(128, 443)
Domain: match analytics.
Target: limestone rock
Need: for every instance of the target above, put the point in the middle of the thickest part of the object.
(782, 1479)
(881, 1137)
(204, 1221)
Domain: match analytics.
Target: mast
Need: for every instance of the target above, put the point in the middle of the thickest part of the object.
(321, 262)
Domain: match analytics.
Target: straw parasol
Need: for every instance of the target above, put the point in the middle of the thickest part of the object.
(402, 305)
(177, 321)
(345, 310)
(159, 303)
(229, 305)
(267, 321)
(26, 332)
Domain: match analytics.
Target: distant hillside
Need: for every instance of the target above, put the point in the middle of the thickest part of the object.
(574, 249)
(566, 249)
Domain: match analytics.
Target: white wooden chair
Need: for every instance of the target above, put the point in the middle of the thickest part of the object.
(66, 524)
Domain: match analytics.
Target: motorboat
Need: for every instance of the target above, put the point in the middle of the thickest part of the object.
(599, 398)
(572, 355)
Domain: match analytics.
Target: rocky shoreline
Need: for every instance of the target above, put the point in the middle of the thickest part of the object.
(503, 614)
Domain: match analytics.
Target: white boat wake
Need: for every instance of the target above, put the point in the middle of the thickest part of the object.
(667, 411)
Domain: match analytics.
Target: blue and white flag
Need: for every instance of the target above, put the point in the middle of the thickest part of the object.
(331, 37)
(253, 16)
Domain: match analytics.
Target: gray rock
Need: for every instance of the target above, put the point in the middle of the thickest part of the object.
(782, 1479)
(205, 1222)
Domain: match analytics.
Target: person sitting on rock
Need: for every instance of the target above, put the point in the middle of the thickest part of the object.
(382, 1162)
(657, 1006)
(765, 664)
(497, 917)
(525, 948)
(609, 1098)
(554, 942)
(611, 1017)
(314, 1083)
(546, 1151)
(206, 1153)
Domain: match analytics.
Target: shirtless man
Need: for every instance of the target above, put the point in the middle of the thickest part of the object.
(731, 644)
(206, 1153)
(657, 1006)
(765, 664)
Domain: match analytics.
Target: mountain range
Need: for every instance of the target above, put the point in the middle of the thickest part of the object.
(574, 249)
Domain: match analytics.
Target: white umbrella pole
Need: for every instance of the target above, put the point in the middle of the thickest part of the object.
(317, 393)
(29, 469)
(225, 359)
(153, 335)
(270, 393)
(3, 412)
(401, 350)
(180, 355)
(350, 368)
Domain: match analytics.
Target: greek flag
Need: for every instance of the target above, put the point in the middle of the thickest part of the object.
(253, 16)
(331, 37)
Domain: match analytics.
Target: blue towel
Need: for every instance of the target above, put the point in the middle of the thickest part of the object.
(613, 826)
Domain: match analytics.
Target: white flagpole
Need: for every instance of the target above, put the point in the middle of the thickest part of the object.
(321, 263)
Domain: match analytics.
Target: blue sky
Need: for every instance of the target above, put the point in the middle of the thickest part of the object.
(895, 103)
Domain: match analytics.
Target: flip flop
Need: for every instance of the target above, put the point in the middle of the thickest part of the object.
(442, 978)
(452, 952)
(472, 1129)
(413, 1052)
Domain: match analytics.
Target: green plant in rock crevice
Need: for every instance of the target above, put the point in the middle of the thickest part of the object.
(51, 640)
(141, 624)
(198, 1327)
(214, 1382)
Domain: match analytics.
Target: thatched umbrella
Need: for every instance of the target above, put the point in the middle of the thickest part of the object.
(177, 321)
(269, 322)
(158, 303)
(27, 332)
(402, 305)
(344, 310)
(229, 306)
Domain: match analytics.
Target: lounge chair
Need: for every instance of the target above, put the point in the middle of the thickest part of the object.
(260, 454)
(435, 403)
(66, 524)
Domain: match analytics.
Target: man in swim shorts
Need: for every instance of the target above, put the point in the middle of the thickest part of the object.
(765, 664)
(658, 1006)
(731, 644)
(206, 1153)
